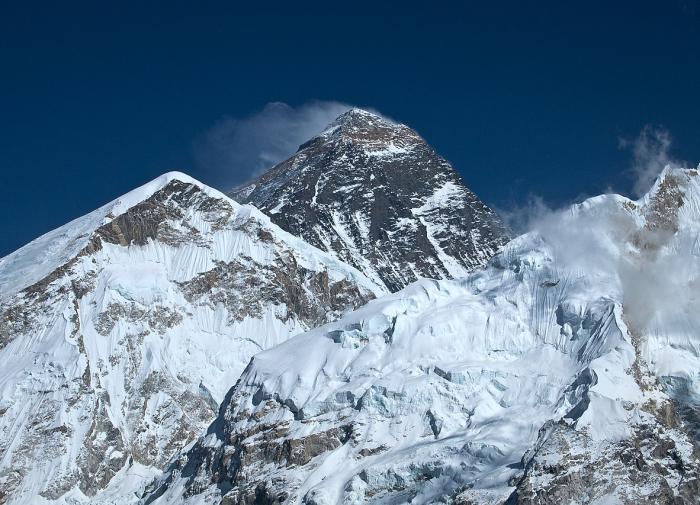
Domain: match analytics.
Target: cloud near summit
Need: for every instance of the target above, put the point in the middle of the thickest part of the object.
(651, 150)
(236, 149)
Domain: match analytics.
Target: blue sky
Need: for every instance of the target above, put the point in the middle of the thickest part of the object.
(97, 98)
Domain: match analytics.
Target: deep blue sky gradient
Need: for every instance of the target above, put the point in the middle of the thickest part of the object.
(97, 98)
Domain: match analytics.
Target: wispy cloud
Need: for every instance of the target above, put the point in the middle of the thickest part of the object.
(237, 149)
(651, 153)
(600, 239)
(519, 217)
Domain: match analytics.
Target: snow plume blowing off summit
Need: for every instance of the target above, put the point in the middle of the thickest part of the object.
(651, 152)
(236, 149)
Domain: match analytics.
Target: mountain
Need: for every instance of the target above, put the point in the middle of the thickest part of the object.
(121, 332)
(566, 372)
(377, 196)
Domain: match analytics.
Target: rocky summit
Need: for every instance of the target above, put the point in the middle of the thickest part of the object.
(378, 197)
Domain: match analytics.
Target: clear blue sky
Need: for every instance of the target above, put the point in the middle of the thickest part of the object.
(99, 97)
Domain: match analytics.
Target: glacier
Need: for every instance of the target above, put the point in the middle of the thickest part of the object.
(566, 371)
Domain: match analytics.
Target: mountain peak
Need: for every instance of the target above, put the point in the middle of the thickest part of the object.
(362, 125)
(120, 317)
(374, 193)
(357, 115)
(46, 253)
(366, 129)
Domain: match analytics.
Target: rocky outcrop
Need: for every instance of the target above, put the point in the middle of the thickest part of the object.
(650, 467)
(246, 287)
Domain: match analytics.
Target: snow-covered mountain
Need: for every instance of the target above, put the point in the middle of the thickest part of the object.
(566, 372)
(376, 195)
(121, 332)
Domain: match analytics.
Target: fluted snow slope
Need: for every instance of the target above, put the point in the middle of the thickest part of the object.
(121, 332)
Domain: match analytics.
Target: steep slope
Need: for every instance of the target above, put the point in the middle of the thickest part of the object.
(378, 197)
(121, 331)
(565, 372)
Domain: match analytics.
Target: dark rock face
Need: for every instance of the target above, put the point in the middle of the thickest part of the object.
(647, 468)
(380, 198)
(245, 287)
(153, 218)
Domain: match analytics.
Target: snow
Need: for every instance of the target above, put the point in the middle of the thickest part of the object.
(205, 348)
(448, 195)
(460, 376)
(454, 380)
(390, 149)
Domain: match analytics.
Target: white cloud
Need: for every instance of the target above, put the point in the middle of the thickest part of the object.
(651, 152)
(600, 238)
(520, 217)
